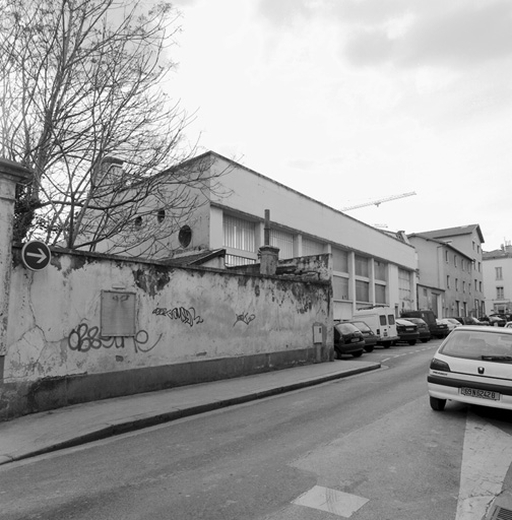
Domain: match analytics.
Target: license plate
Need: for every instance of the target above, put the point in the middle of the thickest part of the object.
(482, 394)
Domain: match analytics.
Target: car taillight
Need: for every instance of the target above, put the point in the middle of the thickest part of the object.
(437, 364)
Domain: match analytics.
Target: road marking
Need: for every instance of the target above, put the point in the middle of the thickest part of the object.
(331, 501)
(486, 458)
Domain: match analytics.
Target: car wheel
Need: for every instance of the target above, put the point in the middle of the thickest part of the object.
(424, 340)
(357, 354)
(368, 349)
(437, 404)
(337, 354)
(412, 342)
(387, 345)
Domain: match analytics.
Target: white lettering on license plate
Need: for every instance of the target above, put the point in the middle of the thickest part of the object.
(482, 394)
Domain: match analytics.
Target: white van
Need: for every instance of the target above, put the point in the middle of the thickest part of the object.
(382, 321)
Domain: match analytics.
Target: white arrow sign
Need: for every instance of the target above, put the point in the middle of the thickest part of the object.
(42, 257)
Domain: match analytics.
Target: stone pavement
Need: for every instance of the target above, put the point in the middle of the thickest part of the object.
(39, 433)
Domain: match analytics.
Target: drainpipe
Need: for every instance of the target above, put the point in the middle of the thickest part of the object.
(11, 173)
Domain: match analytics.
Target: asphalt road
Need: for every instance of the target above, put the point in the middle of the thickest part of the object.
(367, 447)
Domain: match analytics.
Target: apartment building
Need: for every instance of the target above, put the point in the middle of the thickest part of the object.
(450, 279)
(497, 273)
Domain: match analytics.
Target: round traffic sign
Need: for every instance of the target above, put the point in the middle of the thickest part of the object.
(35, 255)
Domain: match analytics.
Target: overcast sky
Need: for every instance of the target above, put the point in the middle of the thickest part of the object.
(352, 101)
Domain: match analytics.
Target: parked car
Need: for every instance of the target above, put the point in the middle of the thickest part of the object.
(508, 325)
(407, 331)
(437, 330)
(493, 320)
(370, 338)
(451, 323)
(423, 329)
(470, 320)
(473, 365)
(348, 339)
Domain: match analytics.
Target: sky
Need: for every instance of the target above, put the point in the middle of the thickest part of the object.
(354, 101)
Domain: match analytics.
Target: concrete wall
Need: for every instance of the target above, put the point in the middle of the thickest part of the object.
(177, 326)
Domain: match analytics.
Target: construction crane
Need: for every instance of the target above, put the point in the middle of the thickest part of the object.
(380, 201)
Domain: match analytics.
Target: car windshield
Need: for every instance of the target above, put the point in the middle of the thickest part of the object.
(486, 346)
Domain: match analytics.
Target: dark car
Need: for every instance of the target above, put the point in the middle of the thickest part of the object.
(370, 338)
(423, 329)
(437, 330)
(348, 339)
(407, 331)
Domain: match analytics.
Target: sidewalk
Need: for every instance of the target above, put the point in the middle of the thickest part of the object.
(39, 433)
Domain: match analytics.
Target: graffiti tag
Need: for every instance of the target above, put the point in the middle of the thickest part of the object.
(245, 318)
(187, 316)
(84, 338)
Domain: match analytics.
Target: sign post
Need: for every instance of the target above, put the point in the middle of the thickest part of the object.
(35, 255)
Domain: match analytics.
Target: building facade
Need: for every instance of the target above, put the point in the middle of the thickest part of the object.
(445, 282)
(369, 266)
(497, 270)
(450, 271)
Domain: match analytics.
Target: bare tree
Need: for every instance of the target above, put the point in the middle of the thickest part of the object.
(83, 107)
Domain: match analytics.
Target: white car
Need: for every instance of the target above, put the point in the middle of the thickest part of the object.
(473, 365)
(451, 323)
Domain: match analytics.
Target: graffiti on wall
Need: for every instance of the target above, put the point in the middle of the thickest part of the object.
(187, 316)
(244, 318)
(84, 338)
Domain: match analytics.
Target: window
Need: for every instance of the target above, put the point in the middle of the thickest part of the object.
(340, 260)
(404, 285)
(311, 247)
(463, 286)
(340, 287)
(381, 271)
(499, 273)
(446, 257)
(448, 281)
(233, 260)
(282, 240)
(500, 293)
(362, 291)
(239, 234)
(380, 293)
(362, 266)
(455, 260)
(185, 236)
(456, 284)
(478, 248)
(463, 264)
(480, 286)
(479, 266)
